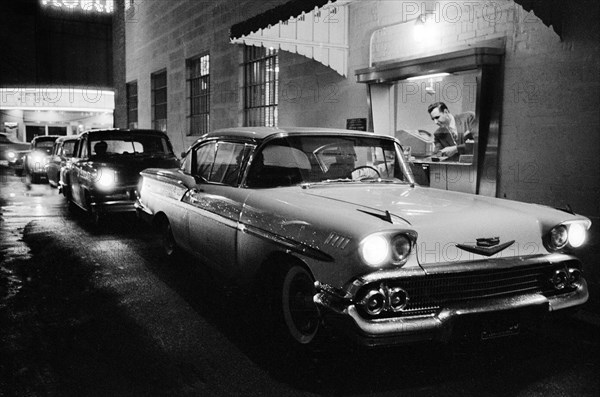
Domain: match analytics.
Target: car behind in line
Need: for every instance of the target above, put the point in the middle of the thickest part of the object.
(37, 158)
(103, 176)
(12, 153)
(62, 151)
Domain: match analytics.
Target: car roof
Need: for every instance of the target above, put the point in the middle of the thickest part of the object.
(45, 138)
(260, 133)
(107, 131)
(67, 138)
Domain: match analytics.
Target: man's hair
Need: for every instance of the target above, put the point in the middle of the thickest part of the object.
(441, 105)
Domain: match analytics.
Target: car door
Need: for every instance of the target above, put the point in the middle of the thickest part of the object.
(76, 171)
(216, 202)
(54, 162)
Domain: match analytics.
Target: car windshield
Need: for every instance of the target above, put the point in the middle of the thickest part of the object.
(44, 145)
(68, 148)
(127, 144)
(299, 159)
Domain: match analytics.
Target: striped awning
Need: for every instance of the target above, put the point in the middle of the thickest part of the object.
(316, 29)
(549, 11)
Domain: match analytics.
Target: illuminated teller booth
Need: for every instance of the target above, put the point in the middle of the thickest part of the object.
(445, 110)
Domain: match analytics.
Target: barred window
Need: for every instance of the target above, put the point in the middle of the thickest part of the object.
(198, 82)
(132, 104)
(159, 100)
(261, 83)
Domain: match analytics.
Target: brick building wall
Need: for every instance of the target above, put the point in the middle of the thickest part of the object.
(162, 35)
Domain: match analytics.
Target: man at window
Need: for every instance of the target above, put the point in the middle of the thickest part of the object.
(455, 134)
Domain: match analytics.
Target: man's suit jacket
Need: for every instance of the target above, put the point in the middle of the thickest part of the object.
(465, 129)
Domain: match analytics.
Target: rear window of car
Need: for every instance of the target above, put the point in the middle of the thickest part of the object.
(131, 144)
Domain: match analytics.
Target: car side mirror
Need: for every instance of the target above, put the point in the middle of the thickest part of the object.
(182, 155)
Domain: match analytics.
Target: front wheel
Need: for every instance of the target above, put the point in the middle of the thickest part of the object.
(168, 240)
(299, 313)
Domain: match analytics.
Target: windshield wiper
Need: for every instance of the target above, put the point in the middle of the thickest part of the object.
(381, 180)
(345, 180)
(328, 181)
(148, 154)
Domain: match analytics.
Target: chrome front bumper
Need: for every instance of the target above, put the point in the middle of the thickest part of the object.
(119, 206)
(527, 309)
(143, 212)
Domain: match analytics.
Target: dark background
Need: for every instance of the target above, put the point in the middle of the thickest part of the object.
(47, 47)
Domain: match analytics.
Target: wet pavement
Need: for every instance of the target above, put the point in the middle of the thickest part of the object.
(88, 311)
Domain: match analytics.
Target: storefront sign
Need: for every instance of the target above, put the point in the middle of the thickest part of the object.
(99, 6)
(40, 98)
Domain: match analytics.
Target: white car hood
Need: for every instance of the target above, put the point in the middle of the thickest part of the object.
(444, 219)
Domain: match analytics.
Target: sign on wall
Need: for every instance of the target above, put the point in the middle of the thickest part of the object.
(98, 6)
(356, 124)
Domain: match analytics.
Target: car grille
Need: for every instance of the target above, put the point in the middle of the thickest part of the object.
(430, 293)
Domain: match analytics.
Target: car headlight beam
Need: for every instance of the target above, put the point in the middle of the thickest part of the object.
(105, 178)
(375, 250)
(571, 234)
(380, 249)
(577, 235)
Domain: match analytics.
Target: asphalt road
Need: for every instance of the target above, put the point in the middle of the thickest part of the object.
(97, 312)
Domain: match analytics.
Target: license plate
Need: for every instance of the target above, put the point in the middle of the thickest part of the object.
(485, 326)
(501, 326)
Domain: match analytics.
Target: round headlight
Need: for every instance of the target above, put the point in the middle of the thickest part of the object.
(37, 158)
(375, 250)
(11, 155)
(559, 237)
(105, 178)
(398, 298)
(374, 302)
(577, 235)
(401, 246)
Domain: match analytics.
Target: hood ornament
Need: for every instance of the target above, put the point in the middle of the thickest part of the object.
(486, 246)
(488, 242)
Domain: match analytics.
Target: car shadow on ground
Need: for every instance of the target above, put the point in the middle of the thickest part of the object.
(116, 225)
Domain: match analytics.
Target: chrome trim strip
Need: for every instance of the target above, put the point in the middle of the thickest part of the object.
(289, 244)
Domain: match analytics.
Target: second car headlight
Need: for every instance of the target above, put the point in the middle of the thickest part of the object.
(379, 249)
(105, 178)
(572, 234)
(577, 234)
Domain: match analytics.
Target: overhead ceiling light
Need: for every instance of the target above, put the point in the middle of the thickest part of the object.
(428, 76)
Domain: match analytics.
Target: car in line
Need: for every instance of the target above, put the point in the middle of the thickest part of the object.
(12, 153)
(103, 176)
(37, 158)
(62, 151)
(331, 228)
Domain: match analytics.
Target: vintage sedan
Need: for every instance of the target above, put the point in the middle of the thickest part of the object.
(332, 227)
(63, 151)
(103, 177)
(12, 153)
(37, 158)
